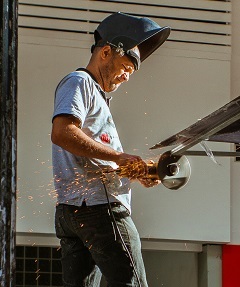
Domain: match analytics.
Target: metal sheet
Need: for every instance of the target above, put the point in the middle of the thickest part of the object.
(223, 125)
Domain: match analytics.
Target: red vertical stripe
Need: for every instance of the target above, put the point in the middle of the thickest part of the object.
(231, 266)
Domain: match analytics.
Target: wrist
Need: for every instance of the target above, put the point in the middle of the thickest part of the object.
(116, 157)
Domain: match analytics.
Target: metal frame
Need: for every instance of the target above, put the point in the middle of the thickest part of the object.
(204, 129)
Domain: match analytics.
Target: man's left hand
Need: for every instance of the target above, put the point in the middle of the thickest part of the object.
(149, 182)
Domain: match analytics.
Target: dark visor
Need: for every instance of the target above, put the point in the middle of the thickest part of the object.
(135, 59)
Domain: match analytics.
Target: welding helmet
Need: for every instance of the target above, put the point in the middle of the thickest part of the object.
(124, 32)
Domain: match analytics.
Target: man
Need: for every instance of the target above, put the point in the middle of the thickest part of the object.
(93, 208)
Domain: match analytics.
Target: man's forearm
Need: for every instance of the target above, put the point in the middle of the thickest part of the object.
(75, 141)
(67, 134)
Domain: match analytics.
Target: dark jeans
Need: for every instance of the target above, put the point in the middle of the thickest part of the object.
(91, 246)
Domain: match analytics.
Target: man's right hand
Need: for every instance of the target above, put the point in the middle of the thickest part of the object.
(131, 166)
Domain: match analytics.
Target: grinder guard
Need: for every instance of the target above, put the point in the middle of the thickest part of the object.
(173, 170)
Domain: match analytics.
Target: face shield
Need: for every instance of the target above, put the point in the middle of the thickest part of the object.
(124, 32)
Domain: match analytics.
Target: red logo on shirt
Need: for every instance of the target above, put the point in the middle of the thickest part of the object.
(105, 138)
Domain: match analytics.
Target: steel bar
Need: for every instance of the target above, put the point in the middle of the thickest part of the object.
(8, 139)
(220, 120)
(190, 142)
(215, 153)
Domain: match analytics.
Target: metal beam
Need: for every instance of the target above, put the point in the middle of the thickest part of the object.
(215, 153)
(8, 139)
(220, 120)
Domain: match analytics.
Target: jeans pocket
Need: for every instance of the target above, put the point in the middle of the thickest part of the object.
(59, 218)
(94, 226)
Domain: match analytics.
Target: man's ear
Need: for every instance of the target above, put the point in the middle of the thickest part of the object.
(106, 51)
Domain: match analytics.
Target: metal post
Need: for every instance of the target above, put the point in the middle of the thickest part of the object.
(8, 131)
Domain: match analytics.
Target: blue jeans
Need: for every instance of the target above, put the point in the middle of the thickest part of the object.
(91, 246)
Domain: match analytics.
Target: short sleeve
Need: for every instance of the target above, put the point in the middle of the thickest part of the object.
(73, 97)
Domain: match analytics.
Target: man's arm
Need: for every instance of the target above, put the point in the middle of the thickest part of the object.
(67, 134)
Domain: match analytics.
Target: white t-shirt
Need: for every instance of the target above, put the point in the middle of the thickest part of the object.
(79, 179)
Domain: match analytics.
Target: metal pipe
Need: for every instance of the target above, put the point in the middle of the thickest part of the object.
(8, 139)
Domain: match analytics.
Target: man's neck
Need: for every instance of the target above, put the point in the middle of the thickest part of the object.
(96, 74)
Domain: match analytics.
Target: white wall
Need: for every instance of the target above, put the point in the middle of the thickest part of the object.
(40, 69)
(173, 89)
(235, 90)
